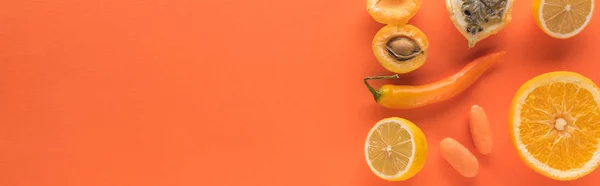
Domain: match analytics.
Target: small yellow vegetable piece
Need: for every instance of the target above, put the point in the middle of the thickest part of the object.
(480, 130)
(459, 157)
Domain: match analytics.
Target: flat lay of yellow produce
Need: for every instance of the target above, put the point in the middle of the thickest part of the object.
(554, 118)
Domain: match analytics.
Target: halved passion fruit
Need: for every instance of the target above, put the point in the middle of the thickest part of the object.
(393, 11)
(479, 19)
(400, 48)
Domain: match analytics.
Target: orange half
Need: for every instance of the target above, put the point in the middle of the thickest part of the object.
(555, 125)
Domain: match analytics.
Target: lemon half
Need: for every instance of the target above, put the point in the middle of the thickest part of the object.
(395, 149)
(563, 18)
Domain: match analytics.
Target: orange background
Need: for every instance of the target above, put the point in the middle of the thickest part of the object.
(184, 92)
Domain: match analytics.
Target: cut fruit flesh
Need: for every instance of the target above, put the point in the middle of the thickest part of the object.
(382, 52)
(555, 125)
(457, 16)
(393, 11)
(563, 18)
(395, 149)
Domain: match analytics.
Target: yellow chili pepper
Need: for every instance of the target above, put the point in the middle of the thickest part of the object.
(407, 97)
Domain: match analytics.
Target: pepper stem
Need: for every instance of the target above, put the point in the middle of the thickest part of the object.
(376, 93)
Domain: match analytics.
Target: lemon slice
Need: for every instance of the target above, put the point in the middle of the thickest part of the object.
(395, 149)
(563, 18)
(555, 125)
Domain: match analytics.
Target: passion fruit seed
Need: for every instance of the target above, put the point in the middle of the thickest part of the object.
(403, 48)
(479, 12)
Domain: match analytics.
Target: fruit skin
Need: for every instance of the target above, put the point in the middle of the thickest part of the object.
(537, 4)
(408, 97)
(389, 32)
(513, 106)
(420, 151)
(391, 17)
